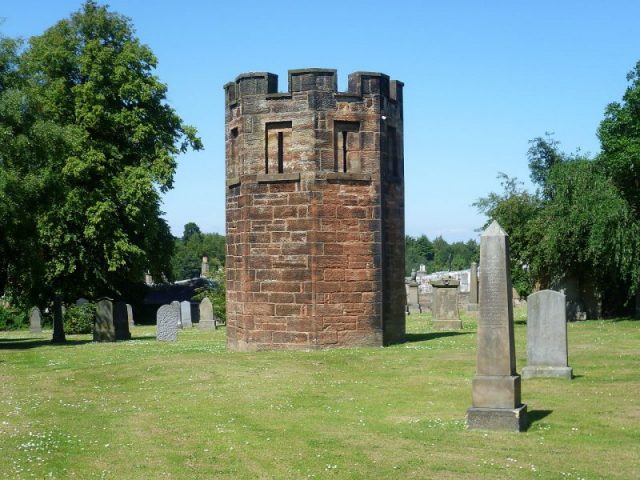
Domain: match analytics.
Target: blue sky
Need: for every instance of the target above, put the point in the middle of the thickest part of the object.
(481, 79)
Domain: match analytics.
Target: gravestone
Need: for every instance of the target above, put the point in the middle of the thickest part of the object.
(58, 322)
(496, 401)
(445, 304)
(130, 315)
(82, 301)
(547, 354)
(103, 327)
(413, 303)
(207, 321)
(167, 323)
(204, 267)
(35, 320)
(185, 314)
(176, 304)
(473, 288)
(121, 321)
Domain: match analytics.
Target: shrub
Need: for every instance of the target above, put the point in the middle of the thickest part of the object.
(79, 318)
(12, 318)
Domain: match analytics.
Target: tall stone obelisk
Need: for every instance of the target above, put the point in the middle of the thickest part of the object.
(496, 401)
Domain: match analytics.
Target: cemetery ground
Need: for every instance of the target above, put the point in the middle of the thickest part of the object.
(190, 409)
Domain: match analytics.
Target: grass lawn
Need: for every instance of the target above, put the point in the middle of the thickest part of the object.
(192, 410)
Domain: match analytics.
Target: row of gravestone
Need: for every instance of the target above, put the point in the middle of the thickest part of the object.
(111, 323)
(170, 318)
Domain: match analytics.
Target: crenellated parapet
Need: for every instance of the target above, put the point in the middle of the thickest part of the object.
(265, 84)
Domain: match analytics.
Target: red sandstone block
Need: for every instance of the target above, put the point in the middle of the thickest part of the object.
(353, 249)
(298, 236)
(328, 338)
(290, 261)
(358, 286)
(329, 310)
(299, 198)
(300, 224)
(328, 287)
(259, 237)
(258, 309)
(304, 298)
(298, 275)
(325, 236)
(334, 274)
(290, 337)
(287, 310)
(278, 297)
(280, 287)
(261, 213)
(351, 297)
(291, 248)
(259, 336)
(359, 275)
(327, 211)
(333, 249)
(285, 211)
(330, 261)
(300, 325)
(360, 261)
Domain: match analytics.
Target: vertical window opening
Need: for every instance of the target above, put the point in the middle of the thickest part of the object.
(277, 147)
(346, 139)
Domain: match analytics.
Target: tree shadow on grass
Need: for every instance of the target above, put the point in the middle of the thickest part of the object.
(534, 416)
(28, 343)
(421, 337)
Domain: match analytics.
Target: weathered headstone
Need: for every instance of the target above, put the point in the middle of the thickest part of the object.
(496, 401)
(167, 323)
(204, 268)
(35, 320)
(58, 322)
(121, 321)
(176, 304)
(103, 327)
(130, 315)
(445, 304)
(547, 354)
(473, 288)
(82, 301)
(207, 321)
(413, 301)
(185, 314)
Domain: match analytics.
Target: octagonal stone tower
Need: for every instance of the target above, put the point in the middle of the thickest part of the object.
(315, 211)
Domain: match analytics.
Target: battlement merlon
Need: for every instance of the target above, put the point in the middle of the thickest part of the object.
(312, 79)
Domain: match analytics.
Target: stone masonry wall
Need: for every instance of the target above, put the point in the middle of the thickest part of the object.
(315, 211)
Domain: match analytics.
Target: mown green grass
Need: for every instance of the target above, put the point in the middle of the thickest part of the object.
(144, 409)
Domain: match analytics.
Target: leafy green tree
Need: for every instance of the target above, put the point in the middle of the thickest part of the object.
(189, 250)
(105, 148)
(514, 209)
(619, 135)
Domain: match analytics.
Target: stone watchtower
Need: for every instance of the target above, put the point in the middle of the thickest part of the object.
(315, 211)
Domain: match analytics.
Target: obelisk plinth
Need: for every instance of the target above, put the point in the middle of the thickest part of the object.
(496, 401)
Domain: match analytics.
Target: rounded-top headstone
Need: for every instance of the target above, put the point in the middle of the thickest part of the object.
(167, 323)
(35, 320)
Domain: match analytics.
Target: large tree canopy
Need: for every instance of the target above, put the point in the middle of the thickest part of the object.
(90, 121)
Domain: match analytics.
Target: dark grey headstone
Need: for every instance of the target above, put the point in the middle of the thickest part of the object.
(121, 321)
(185, 314)
(207, 321)
(58, 322)
(167, 323)
(82, 301)
(445, 304)
(103, 327)
(496, 401)
(547, 354)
